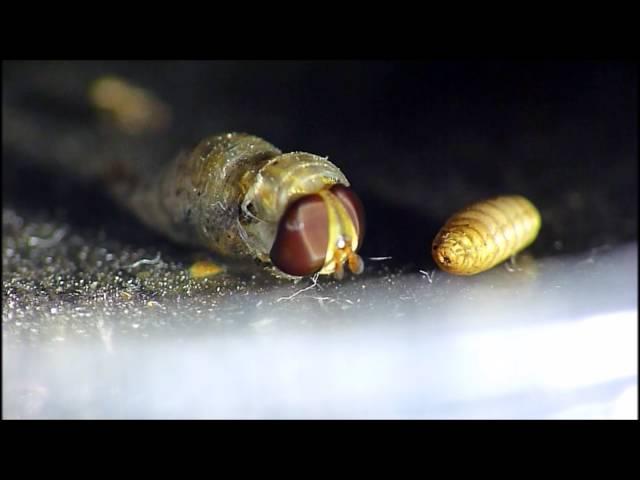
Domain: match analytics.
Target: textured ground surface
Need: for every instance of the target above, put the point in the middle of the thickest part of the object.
(417, 142)
(554, 340)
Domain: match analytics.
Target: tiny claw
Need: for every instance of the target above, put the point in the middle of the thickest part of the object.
(356, 264)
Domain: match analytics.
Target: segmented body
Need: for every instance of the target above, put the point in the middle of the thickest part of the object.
(485, 234)
(227, 194)
(234, 194)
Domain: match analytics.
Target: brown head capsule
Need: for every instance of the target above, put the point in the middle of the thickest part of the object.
(319, 233)
(485, 234)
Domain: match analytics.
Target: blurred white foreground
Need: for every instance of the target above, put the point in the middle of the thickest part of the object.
(555, 339)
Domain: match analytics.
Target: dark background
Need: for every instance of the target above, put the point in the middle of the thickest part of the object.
(418, 140)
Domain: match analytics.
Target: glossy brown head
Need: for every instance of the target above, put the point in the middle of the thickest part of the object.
(320, 232)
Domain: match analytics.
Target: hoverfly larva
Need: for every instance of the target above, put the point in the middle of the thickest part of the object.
(240, 197)
(234, 194)
(485, 234)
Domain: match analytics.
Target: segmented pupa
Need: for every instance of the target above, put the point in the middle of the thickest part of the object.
(484, 234)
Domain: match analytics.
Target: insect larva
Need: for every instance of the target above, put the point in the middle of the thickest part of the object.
(234, 194)
(485, 234)
(242, 198)
(134, 109)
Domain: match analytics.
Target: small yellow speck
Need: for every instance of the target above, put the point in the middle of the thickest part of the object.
(205, 268)
(126, 295)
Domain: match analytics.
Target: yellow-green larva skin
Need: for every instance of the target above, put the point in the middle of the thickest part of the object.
(485, 234)
(227, 194)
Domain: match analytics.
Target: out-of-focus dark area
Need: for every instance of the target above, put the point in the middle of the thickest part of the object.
(417, 140)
